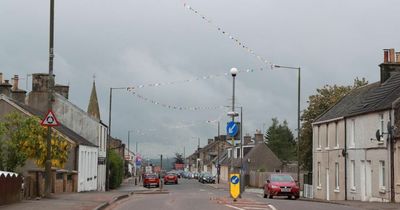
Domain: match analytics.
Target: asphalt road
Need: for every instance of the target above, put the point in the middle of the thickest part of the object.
(192, 195)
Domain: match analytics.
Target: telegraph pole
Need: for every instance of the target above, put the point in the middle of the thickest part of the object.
(218, 166)
(47, 182)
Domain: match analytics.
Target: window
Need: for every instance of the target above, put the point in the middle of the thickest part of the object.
(319, 141)
(238, 152)
(319, 174)
(353, 174)
(382, 175)
(337, 176)
(382, 122)
(352, 133)
(336, 135)
(327, 136)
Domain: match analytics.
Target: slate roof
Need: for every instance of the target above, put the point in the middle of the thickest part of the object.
(61, 128)
(369, 98)
(347, 103)
(380, 98)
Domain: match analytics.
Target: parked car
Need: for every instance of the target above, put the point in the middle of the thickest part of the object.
(207, 178)
(195, 175)
(281, 185)
(171, 178)
(151, 180)
(200, 177)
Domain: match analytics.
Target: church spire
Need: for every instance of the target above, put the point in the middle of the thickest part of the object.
(93, 107)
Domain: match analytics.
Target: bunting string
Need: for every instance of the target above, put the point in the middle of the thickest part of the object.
(205, 77)
(175, 107)
(236, 40)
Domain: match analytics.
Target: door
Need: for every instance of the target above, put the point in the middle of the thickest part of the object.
(327, 184)
(368, 180)
(362, 181)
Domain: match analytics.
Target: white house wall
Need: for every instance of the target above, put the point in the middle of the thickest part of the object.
(87, 168)
(89, 128)
(367, 154)
(328, 155)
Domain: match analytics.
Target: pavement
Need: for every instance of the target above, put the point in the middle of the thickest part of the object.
(82, 200)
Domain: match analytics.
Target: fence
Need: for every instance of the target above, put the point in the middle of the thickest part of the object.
(308, 187)
(10, 190)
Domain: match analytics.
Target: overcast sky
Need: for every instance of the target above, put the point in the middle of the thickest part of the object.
(131, 42)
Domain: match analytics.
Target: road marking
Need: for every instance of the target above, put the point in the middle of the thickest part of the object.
(202, 190)
(272, 207)
(234, 207)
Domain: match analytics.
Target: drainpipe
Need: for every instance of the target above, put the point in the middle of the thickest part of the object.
(390, 137)
(345, 159)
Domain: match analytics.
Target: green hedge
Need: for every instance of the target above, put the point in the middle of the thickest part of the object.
(116, 166)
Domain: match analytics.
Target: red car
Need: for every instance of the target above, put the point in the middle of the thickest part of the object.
(281, 185)
(151, 180)
(171, 178)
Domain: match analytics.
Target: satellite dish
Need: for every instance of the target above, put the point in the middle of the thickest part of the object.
(378, 135)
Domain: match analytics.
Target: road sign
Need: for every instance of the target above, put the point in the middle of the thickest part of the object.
(234, 185)
(50, 119)
(232, 129)
(138, 160)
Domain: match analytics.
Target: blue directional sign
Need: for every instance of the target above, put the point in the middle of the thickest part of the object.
(232, 129)
(235, 179)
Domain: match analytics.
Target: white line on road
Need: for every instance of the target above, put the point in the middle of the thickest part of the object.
(234, 207)
(272, 207)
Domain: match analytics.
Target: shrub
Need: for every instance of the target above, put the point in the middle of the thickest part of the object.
(116, 166)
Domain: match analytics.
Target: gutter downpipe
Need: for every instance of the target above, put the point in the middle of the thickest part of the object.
(392, 190)
(345, 158)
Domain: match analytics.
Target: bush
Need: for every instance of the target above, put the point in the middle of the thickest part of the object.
(116, 166)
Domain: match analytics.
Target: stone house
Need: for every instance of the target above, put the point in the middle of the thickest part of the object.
(256, 156)
(76, 163)
(86, 124)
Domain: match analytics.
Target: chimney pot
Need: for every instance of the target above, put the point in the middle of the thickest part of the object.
(385, 55)
(391, 55)
(397, 57)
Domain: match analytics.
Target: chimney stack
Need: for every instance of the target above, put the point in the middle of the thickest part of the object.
(246, 139)
(15, 83)
(258, 137)
(391, 63)
(5, 88)
(1, 78)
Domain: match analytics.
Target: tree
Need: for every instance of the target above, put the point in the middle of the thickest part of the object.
(178, 159)
(325, 97)
(24, 138)
(280, 140)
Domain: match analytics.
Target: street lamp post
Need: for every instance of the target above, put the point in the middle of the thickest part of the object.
(298, 115)
(109, 136)
(234, 72)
